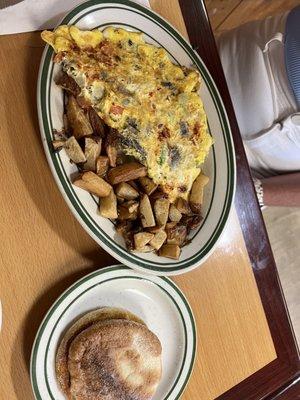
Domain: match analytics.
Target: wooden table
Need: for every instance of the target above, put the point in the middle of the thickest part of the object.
(246, 345)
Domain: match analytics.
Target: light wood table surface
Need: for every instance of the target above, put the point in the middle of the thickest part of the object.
(44, 250)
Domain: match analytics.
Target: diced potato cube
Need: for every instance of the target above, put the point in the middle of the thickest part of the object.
(77, 119)
(170, 251)
(183, 206)
(92, 151)
(158, 240)
(177, 235)
(126, 191)
(148, 185)
(131, 205)
(74, 151)
(93, 184)
(161, 211)
(142, 238)
(102, 163)
(196, 196)
(108, 206)
(126, 172)
(174, 214)
(146, 213)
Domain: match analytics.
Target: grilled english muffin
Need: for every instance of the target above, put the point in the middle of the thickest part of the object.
(102, 314)
(114, 360)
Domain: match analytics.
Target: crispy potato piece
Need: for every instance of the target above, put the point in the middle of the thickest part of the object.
(77, 119)
(170, 225)
(131, 205)
(111, 147)
(120, 200)
(183, 206)
(124, 213)
(177, 235)
(170, 251)
(158, 240)
(96, 123)
(102, 163)
(148, 185)
(93, 184)
(196, 196)
(68, 83)
(161, 211)
(74, 151)
(58, 144)
(146, 213)
(126, 191)
(192, 221)
(129, 241)
(158, 194)
(145, 249)
(92, 150)
(108, 206)
(123, 227)
(134, 185)
(174, 214)
(126, 172)
(141, 239)
(155, 229)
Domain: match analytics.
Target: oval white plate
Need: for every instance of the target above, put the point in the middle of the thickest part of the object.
(220, 165)
(157, 300)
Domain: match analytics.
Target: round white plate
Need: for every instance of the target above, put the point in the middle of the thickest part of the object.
(157, 300)
(219, 166)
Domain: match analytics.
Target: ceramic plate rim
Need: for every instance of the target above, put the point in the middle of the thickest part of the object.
(190, 336)
(137, 262)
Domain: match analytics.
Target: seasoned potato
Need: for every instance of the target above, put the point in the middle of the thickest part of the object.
(174, 214)
(96, 123)
(161, 211)
(183, 206)
(126, 172)
(146, 213)
(148, 185)
(145, 249)
(170, 251)
(111, 147)
(108, 206)
(141, 239)
(123, 227)
(68, 83)
(192, 221)
(124, 213)
(58, 144)
(93, 184)
(155, 229)
(177, 235)
(102, 164)
(77, 119)
(131, 205)
(158, 240)
(170, 225)
(92, 151)
(196, 196)
(74, 151)
(126, 191)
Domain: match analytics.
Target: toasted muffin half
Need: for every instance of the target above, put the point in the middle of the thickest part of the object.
(89, 319)
(115, 360)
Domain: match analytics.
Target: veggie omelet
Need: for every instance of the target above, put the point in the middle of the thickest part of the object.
(136, 89)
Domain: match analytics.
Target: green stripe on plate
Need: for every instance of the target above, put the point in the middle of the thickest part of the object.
(89, 277)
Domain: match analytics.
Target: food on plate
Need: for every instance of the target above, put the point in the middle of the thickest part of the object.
(109, 351)
(135, 126)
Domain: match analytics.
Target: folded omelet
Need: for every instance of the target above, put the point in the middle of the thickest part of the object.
(135, 88)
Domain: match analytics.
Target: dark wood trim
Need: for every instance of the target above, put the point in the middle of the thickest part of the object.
(291, 391)
(287, 365)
